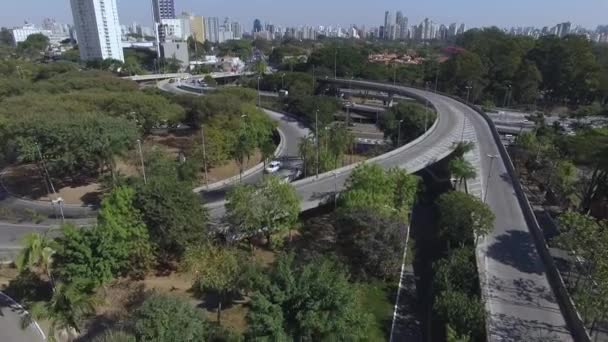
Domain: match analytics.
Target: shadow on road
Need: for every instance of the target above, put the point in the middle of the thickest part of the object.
(516, 249)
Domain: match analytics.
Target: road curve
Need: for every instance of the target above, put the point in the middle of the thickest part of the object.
(520, 303)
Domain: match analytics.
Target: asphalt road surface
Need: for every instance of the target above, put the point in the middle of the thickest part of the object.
(10, 323)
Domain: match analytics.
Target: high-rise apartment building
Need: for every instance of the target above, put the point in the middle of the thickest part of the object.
(257, 26)
(163, 9)
(461, 29)
(197, 28)
(398, 22)
(97, 29)
(237, 29)
(388, 22)
(212, 29)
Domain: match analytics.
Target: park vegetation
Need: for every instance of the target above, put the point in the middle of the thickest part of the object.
(570, 173)
(456, 288)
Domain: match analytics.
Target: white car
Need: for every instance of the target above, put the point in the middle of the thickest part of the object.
(273, 166)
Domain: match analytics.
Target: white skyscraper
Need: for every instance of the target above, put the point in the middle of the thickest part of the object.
(212, 29)
(97, 29)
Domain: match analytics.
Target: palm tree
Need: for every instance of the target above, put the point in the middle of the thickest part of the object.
(66, 310)
(462, 170)
(463, 148)
(37, 253)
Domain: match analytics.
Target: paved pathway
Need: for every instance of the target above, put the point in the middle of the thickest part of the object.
(10, 323)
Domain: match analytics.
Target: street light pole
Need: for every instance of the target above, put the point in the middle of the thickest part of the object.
(313, 79)
(426, 115)
(336, 64)
(394, 74)
(283, 81)
(436, 78)
(59, 203)
(259, 95)
(468, 92)
(317, 137)
(335, 190)
(204, 155)
(492, 157)
(399, 133)
(504, 103)
(141, 156)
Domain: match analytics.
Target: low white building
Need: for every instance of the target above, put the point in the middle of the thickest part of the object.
(21, 34)
(175, 29)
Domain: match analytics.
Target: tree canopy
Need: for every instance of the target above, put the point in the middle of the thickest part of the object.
(413, 119)
(270, 207)
(313, 302)
(169, 318)
(463, 217)
(390, 193)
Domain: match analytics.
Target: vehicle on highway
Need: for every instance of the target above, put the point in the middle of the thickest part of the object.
(288, 175)
(273, 167)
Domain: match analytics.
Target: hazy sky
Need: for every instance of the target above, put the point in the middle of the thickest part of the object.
(588, 13)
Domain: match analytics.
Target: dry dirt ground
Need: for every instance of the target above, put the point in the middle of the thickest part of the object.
(27, 181)
(117, 300)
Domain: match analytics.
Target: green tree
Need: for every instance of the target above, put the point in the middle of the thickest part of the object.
(173, 214)
(457, 272)
(465, 70)
(214, 268)
(124, 233)
(37, 253)
(465, 314)
(463, 218)
(33, 45)
(271, 207)
(75, 145)
(169, 318)
(462, 170)
(80, 260)
(569, 69)
(244, 146)
(387, 193)
(267, 149)
(372, 244)
(527, 83)
(406, 121)
(67, 310)
(452, 335)
(314, 302)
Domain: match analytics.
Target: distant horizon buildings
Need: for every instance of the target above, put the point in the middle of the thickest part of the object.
(97, 29)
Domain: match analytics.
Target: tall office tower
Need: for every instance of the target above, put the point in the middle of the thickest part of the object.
(237, 29)
(388, 22)
(257, 26)
(461, 29)
(97, 29)
(197, 28)
(563, 29)
(403, 28)
(426, 29)
(452, 30)
(398, 22)
(163, 9)
(212, 29)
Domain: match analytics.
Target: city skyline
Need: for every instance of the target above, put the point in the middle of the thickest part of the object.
(587, 13)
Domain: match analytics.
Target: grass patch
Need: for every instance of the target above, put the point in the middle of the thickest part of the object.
(375, 299)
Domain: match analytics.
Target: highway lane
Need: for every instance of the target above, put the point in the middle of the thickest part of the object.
(10, 323)
(438, 143)
(291, 132)
(520, 301)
